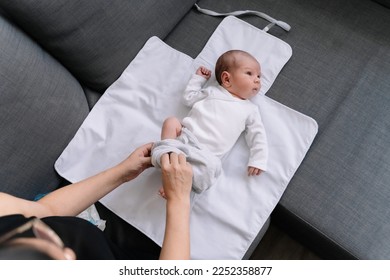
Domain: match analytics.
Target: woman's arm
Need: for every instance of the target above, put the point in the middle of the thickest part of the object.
(75, 198)
(177, 183)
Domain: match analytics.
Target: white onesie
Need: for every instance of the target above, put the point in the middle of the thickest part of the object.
(217, 119)
(210, 130)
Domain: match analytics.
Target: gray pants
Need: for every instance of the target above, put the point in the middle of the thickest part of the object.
(206, 167)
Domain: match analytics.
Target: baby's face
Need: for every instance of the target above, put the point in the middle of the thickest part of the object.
(245, 79)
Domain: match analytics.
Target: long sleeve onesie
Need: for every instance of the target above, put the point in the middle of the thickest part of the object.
(217, 119)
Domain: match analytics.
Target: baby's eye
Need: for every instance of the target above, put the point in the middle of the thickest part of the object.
(249, 73)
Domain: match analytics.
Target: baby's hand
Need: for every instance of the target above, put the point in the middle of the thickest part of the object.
(252, 171)
(204, 72)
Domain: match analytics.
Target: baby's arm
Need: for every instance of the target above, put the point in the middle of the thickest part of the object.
(194, 91)
(256, 139)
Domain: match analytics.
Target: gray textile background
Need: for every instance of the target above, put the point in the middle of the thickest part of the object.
(339, 75)
(41, 107)
(96, 39)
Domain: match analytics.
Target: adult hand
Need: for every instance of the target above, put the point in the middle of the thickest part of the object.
(176, 176)
(136, 162)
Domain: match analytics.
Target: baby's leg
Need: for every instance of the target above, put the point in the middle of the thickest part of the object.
(171, 128)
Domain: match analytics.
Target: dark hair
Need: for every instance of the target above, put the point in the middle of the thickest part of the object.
(227, 61)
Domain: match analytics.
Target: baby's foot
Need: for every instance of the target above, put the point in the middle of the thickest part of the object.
(162, 193)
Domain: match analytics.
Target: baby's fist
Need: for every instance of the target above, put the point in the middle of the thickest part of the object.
(253, 171)
(204, 72)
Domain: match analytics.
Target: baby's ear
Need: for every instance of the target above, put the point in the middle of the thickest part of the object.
(225, 79)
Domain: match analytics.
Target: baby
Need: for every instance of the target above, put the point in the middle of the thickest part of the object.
(218, 116)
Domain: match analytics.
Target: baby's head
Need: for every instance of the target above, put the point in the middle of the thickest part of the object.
(239, 73)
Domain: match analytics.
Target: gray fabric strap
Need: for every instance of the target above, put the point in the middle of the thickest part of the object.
(273, 21)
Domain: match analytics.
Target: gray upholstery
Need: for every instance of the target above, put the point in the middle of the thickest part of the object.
(41, 107)
(350, 200)
(97, 39)
(339, 74)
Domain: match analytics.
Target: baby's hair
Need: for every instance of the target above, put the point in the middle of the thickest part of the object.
(227, 61)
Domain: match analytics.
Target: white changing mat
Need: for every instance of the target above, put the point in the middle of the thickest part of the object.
(226, 218)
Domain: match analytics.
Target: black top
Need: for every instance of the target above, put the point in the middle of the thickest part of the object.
(85, 239)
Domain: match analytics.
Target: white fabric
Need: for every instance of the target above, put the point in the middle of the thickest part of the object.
(218, 119)
(226, 218)
(273, 21)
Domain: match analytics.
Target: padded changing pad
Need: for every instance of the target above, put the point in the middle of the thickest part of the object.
(226, 218)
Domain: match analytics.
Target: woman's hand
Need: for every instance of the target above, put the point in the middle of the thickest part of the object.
(136, 162)
(176, 176)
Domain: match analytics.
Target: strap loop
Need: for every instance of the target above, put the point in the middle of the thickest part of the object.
(273, 21)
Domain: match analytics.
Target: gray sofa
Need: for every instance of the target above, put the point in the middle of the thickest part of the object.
(58, 57)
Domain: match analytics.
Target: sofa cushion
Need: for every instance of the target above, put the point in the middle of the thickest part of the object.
(42, 106)
(97, 39)
(349, 201)
(339, 72)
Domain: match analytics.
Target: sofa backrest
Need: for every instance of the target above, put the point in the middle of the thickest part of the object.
(97, 39)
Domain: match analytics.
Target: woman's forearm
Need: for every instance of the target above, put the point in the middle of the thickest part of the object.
(75, 198)
(176, 244)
